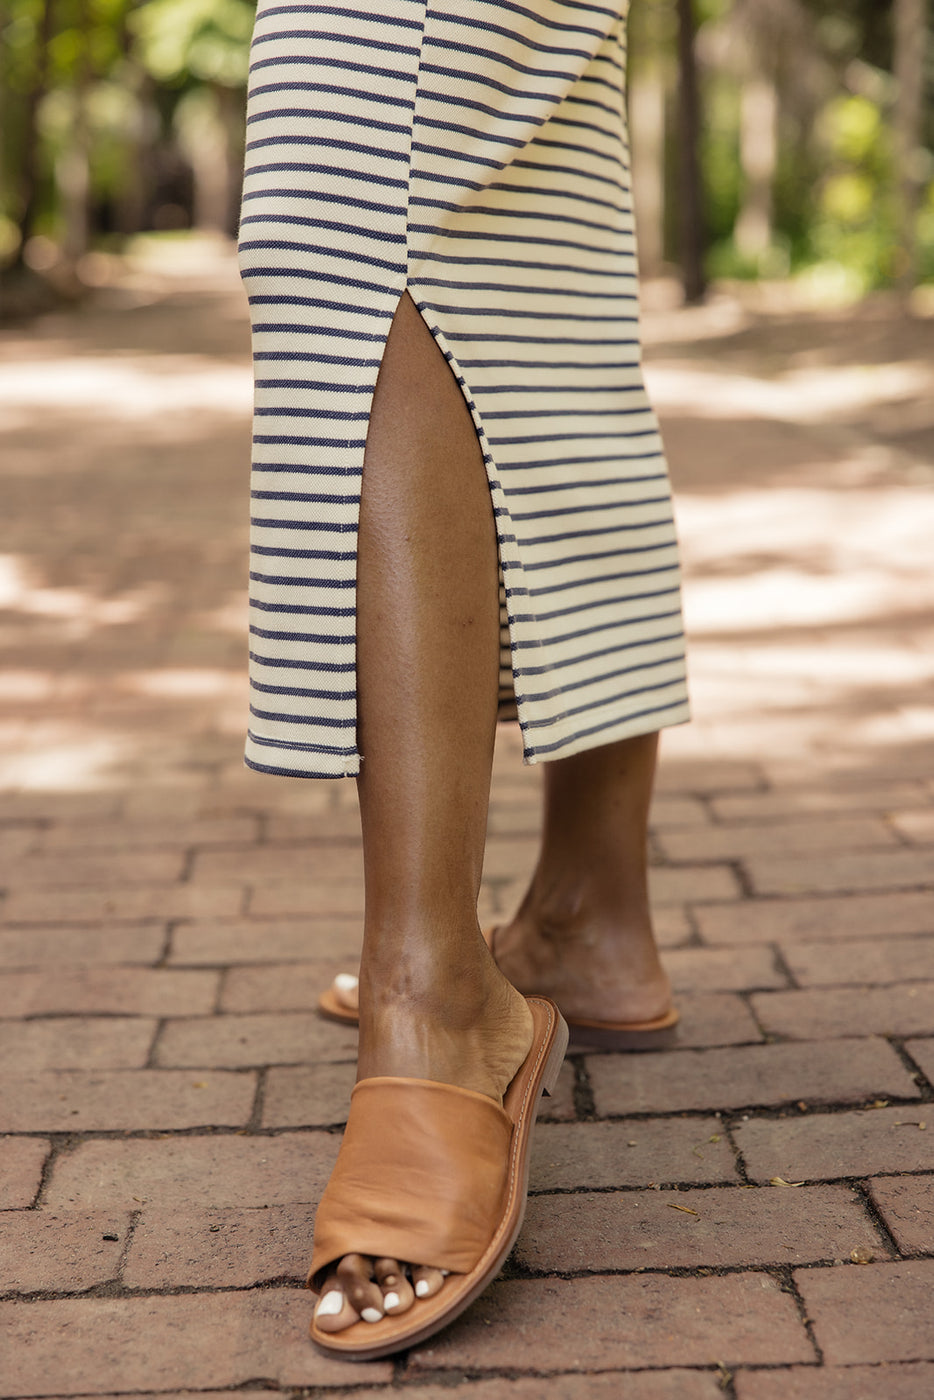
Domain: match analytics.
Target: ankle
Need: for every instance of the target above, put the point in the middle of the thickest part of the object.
(435, 976)
(586, 914)
(453, 1033)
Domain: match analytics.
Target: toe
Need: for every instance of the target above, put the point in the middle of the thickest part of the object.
(398, 1293)
(333, 1312)
(346, 988)
(427, 1282)
(363, 1293)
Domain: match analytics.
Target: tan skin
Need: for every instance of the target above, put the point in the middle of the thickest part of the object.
(433, 1003)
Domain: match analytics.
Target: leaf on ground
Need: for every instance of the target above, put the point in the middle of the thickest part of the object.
(780, 1181)
(687, 1209)
(862, 1255)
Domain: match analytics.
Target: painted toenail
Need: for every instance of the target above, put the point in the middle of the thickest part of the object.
(330, 1304)
(391, 1300)
(346, 982)
(421, 1288)
(371, 1315)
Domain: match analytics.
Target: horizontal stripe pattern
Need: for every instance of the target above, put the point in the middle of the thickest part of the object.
(476, 155)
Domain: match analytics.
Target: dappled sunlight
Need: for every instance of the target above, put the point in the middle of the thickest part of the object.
(172, 683)
(128, 388)
(797, 395)
(806, 532)
(798, 557)
(78, 610)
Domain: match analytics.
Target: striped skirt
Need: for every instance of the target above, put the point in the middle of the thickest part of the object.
(473, 152)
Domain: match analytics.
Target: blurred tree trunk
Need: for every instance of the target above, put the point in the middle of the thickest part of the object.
(910, 43)
(137, 172)
(231, 109)
(691, 212)
(27, 175)
(647, 119)
(73, 167)
(206, 137)
(758, 144)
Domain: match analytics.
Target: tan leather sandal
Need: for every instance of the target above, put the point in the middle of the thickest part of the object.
(338, 1003)
(434, 1175)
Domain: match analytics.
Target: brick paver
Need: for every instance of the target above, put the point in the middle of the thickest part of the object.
(844, 1072)
(878, 1314)
(126, 1344)
(21, 1162)
(171, 1104)
(907, 1207)
(850, 1011)
(826, 1146)
(637, 1321)
(62, 1101)
(61, 1252)
(641, 1152)
(905, 1381)
(219, 1248)
(691, 1229)
(843, 917)
(75, 1042)
(861, 964)
(194, 1170)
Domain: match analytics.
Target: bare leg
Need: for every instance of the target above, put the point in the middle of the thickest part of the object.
(433, 1004)
(583, 933)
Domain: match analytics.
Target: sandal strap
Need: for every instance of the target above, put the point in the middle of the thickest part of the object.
(421, 1176)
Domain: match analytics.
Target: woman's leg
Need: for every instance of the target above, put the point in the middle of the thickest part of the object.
(433, 1004)
(583, 933)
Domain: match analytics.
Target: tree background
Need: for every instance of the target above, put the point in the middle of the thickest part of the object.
(771, 138)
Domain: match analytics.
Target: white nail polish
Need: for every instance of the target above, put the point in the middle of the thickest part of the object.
(421, 1288)
(346, 982)
(371, 1315)
(444, 1272)
(330, 1304)
(391, 1300)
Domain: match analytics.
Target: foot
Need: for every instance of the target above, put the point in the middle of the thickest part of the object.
(591, 973)
(466, 1026)
(590, 970)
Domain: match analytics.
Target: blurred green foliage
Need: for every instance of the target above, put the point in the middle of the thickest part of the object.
(125, 115)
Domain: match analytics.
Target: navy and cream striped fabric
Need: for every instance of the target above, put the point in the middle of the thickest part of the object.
(475, 153)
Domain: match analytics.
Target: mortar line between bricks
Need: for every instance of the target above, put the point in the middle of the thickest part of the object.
(58, 1147)
(163, 959)
(135, 1217)
(789, 1285)
(739, 1161)
(220, 991)
(917, 1073)
(463, 1374)
(584, 1102)
(112, 1288)
(863, 1192)
(783, 968)
(150, 1061)
(188, 864)
(696, 1271)
(255, 1120)
(771, 1114)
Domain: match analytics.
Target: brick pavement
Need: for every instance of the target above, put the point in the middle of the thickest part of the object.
(750, 1213)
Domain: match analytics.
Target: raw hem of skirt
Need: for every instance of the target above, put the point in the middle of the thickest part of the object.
(597, 734)
(299, 763)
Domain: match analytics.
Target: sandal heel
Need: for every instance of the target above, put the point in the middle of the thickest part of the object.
(555, 1057)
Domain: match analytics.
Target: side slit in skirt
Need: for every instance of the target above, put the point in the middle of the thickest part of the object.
(475, 153)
